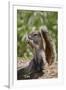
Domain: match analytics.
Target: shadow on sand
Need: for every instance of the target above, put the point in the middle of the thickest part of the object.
(23, 74)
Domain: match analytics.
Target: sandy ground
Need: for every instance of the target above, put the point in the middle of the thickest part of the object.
(49, 72)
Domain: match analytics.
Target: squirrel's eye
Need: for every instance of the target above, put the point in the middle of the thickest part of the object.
(35, 34)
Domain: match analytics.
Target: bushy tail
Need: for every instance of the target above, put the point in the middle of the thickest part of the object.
(50, 50)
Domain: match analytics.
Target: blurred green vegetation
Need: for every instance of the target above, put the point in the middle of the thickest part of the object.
(26, 20)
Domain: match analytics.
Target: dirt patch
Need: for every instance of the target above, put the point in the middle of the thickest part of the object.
(48, 72)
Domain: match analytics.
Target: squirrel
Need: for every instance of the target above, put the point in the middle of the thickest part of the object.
(44, 49)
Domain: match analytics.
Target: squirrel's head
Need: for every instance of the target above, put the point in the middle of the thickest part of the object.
(35, 40)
